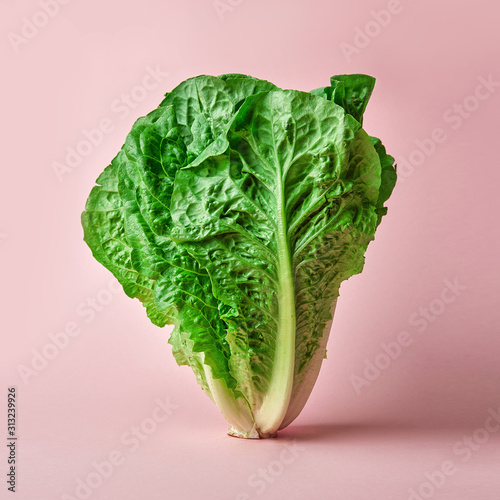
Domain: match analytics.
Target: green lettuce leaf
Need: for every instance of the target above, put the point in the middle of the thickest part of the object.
(234, 211)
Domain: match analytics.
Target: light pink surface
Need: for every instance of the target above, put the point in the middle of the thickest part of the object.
(377, 442)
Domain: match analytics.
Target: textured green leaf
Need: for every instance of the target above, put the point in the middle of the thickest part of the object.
(104, 231)
(286, 209)
(234, 211)
(388, 175)
(166, 279)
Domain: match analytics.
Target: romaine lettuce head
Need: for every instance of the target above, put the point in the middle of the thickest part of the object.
(233, 212)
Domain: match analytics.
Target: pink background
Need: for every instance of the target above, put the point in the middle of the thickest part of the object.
(379, 442)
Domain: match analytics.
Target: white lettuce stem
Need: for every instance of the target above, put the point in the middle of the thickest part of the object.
(235, 411)
(302, 389)
(277, 398)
